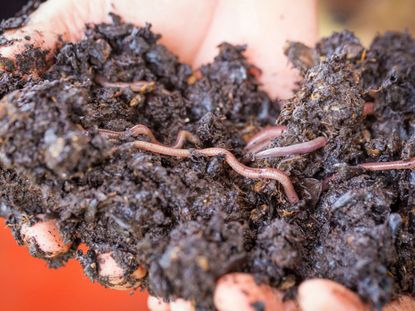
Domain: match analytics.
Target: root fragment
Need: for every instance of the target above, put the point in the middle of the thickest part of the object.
(138, 86)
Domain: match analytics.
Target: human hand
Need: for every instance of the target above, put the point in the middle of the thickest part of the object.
(194, 38)
(236, 291)
(191, 29)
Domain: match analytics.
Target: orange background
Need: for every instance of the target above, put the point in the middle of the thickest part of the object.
(28, 285)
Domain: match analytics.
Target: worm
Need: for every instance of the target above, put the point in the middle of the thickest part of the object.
(140, 129)
(264, 137)
(249, 172)
(175, 151)
(301, 148)
(393, 165)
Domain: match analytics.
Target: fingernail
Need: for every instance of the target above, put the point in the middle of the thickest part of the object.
(156, 304)
(239, 291)
(114, 276)
(46, 236)
(181, 305)
(403, 303)
(326, 295)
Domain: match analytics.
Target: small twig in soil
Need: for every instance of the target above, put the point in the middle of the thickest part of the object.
(393, 165)
(140, 129)
(264, 137)
(138, 86)
(301, 148)
(4, 103)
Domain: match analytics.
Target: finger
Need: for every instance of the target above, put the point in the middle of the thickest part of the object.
(114, 276)
(183, 24)
(45, 236)
(156, 304)
(264, 26)
(326, 295)
(403, 303)
(239, 291)
(181, 305)
(53, 20)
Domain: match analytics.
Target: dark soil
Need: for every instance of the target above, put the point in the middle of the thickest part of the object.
(197, 217)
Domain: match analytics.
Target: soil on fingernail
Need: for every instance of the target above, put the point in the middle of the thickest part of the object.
(190, 221)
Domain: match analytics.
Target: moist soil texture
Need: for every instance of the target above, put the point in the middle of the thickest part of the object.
(189, 221)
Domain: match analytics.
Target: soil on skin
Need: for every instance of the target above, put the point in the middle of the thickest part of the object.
(190, 221)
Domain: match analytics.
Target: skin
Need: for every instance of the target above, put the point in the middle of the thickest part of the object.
(110, 269)
(194, 37)
(46, 236)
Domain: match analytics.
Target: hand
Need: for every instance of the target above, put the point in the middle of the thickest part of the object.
(193, 37)
(236, 291)
(264, 26)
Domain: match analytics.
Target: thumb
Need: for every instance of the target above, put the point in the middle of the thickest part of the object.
(53, 21)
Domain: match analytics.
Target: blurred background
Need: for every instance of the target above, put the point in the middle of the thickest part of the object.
(366, 18)
(27, 282)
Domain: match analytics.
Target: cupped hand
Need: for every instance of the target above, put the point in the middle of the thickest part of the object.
(193, 29)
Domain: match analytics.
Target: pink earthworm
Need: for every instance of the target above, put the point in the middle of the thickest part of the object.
(393, 165)
(264, 137)
(300, 148)
(254, 173)
(140, 129)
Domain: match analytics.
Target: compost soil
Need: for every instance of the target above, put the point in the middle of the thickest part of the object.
(190, 221)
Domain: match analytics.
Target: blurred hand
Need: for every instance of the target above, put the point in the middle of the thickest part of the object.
(193, 29)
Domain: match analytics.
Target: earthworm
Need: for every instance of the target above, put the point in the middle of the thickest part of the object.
(141, 129)
(175, 151)
(301, 148)
(393, 165)
(369, 109)
(137, 86)
(264, 137)
(254, 173)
